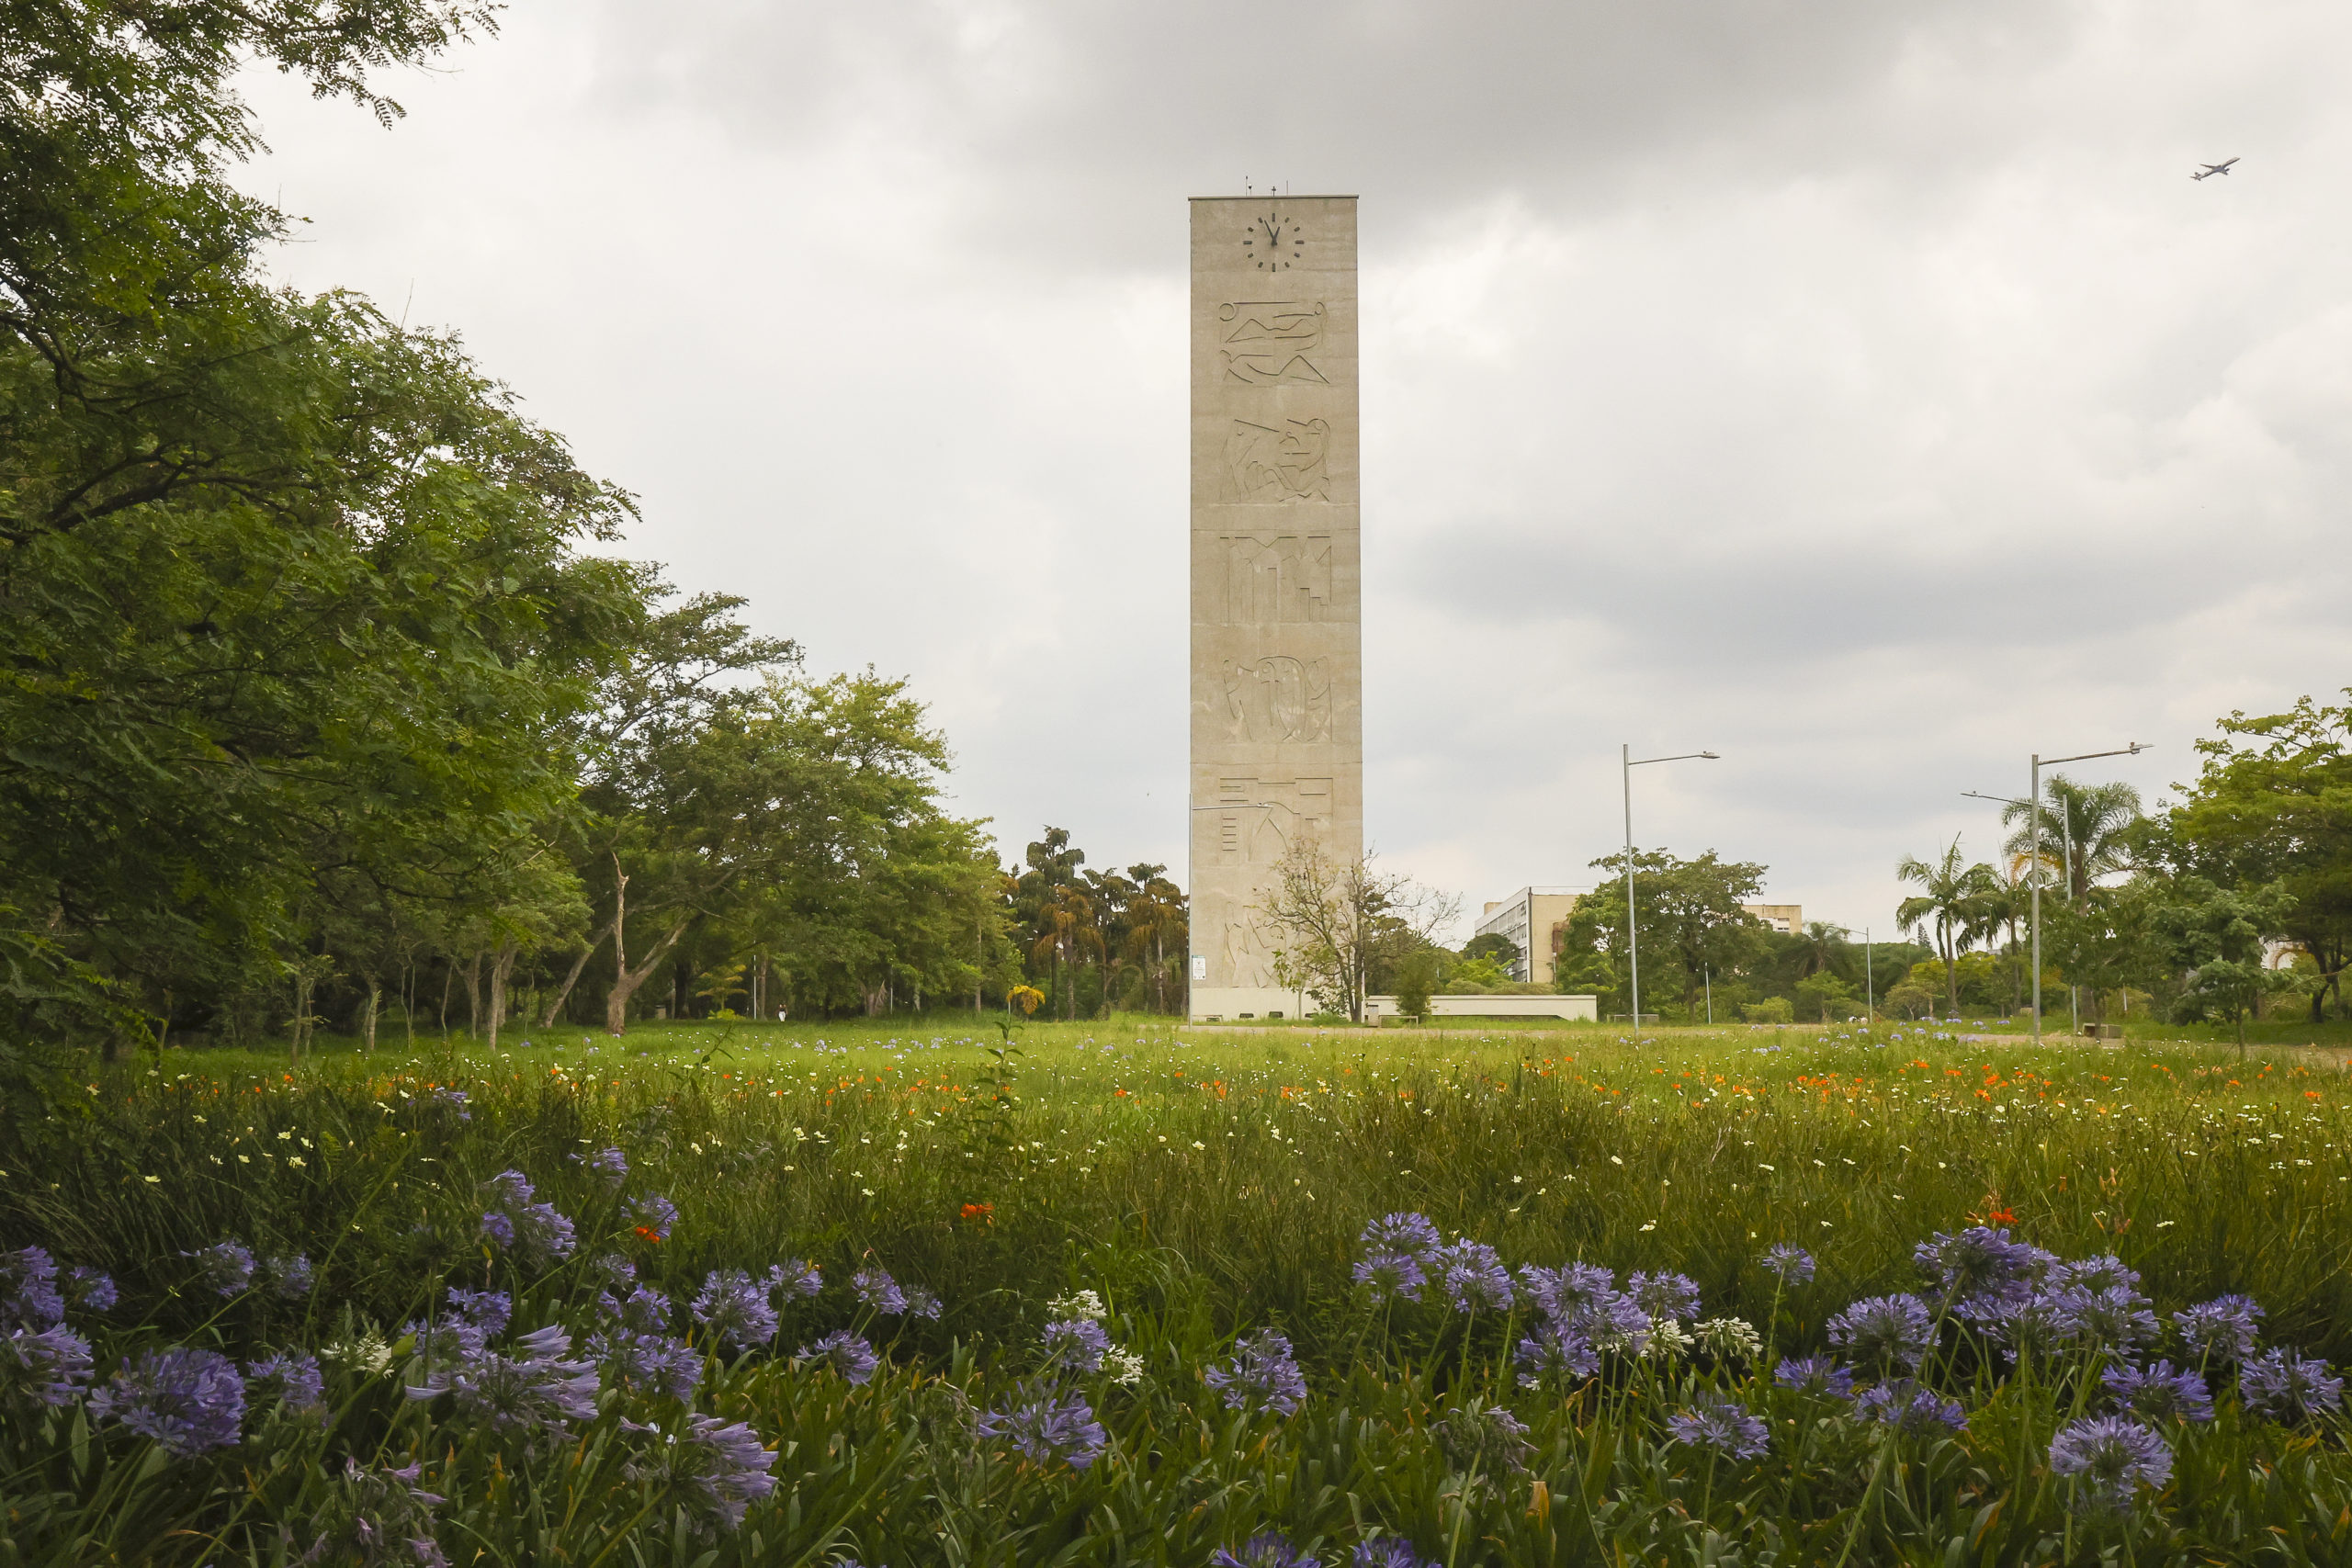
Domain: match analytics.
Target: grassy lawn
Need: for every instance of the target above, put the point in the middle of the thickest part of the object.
(1205, 1185)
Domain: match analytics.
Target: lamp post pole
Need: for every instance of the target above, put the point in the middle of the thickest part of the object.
(1632, 924)
(2032, 804)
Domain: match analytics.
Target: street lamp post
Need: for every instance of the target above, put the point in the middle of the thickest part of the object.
(2032, 804)
(1632, 925)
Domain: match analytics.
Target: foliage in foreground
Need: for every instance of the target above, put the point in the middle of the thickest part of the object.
(1010, 1193)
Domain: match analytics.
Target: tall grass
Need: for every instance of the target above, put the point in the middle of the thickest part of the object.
(1203, 1185)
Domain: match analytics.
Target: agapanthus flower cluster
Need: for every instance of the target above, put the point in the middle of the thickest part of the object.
(1388, 1552)
(2289, 1388)
(1050, 1429)
(2109, 1458)
(1416, 1235)
(1554, 1352)
(798, 1278)
(874, 1288)
(1674, 1296)
(1267, 1548)
(735, 1308)
(646, 1360)
(654, 1216)
(1483, 1438)
(380, 1519)
(721, 1465)
(1079, 1303)
(290, 1377)
(1728, 1338)
(2159, 1392)
(538, 1388)
(534, 1232)
(1391, 1275)
(89, 1288)
(1723, 1426)
(1981, 1263)
(2111, 1316)
(610, 1164)
(1883, 1335)
(1263, 1372)
(1911, 1407)
(188, 1400)
(226, 1267)
(2223, 1330)
(1789, 1263)
(291, 1277)
(29, 1294)
(843, 1352)
(43, 1367)
(1472, 1276)
(1075, 1345)
(1816, 1374)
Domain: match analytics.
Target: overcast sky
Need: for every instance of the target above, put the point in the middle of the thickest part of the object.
(1861, 391)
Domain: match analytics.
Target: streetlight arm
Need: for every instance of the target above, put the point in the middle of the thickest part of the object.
(2132, 750)
(1682, 756)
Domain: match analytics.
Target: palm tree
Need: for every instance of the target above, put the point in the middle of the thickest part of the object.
(1951, 897)
(1820, 937)
(2084, 833)
(1067, 931)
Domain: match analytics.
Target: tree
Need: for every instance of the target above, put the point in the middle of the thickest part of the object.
(1332, 923)
(1691, 915)
(2273, 804)
(2216, 938)
(1951, 904)
(2086, 832)
(1495, 946)
(1155, 921)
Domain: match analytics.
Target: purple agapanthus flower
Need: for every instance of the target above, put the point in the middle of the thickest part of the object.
(1558, 1292)
(725, 1466)
(1613, 1322)
(645, 1310)
(610, 1164)
(46, 1367)
(1391, 1275)
(28, 1292)
(1665, 1295)
(735, 1308)
(488, 1311)
(1076, 1345)
(2105, 1273)
(795, 1279)
(1911, 1408)
(1978, 1261)
(289, 1278)
(877, 1290)
(1412, 1234)
(1723, 1426)
(1792, 1264)
(188, 1400)
(2224, 1329)
(227, 1267)
(654, 1216)
(1816, 1374)
(2032, 1324)
(1263, 1372)
(845, 1353)
(292, 1377)
(391, 1521)
(538, 1388)
(1389, 1552)
(1267, 1548)
(2114, 1317)
(1050, 1429)
(649, 1362)
(535, 1232)
(90, 1287)
(613, 1271)
(2109, 1458)
(1882, 1333)
(2288, 1388)
(498, 1228)
(2159, 1392)
(1472, 1276)
(922, 1302)
(1555, 1352)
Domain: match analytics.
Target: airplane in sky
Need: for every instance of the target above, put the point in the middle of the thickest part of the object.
(2211, 169)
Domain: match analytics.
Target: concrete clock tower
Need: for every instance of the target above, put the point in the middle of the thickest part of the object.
(1277, 750)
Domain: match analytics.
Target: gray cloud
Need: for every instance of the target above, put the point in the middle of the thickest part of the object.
(1862, 391)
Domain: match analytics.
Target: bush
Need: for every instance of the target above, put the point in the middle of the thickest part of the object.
(1771, 1009)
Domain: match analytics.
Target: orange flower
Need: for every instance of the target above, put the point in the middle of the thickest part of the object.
(647, 1233)
(980, 1214)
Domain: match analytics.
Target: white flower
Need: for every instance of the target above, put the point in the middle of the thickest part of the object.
(1666, 1338)
(1125, 1367)
(1730, 1336)
(1079, 1303)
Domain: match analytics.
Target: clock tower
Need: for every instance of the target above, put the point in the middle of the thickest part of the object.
(1277, 646)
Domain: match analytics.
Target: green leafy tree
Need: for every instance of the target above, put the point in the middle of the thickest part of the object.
(2273, 804)
(2216, 938)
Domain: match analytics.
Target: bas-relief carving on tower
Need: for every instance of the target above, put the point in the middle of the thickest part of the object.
(1277, 740)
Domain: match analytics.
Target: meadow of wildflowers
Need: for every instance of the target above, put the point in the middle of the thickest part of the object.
(850, 1296)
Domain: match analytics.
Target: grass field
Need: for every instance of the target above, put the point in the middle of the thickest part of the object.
(1205, 1185)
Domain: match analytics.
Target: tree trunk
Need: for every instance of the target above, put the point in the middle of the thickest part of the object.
(367, 1019)
(563, 992)
(474, 995)
(501, 967)
(449, 973)
(625, 980)
(303, 981)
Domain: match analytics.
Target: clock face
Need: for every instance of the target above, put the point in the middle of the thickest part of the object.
(1274, 241)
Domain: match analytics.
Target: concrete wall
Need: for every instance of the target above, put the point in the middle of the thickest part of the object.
(1377, 1009)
